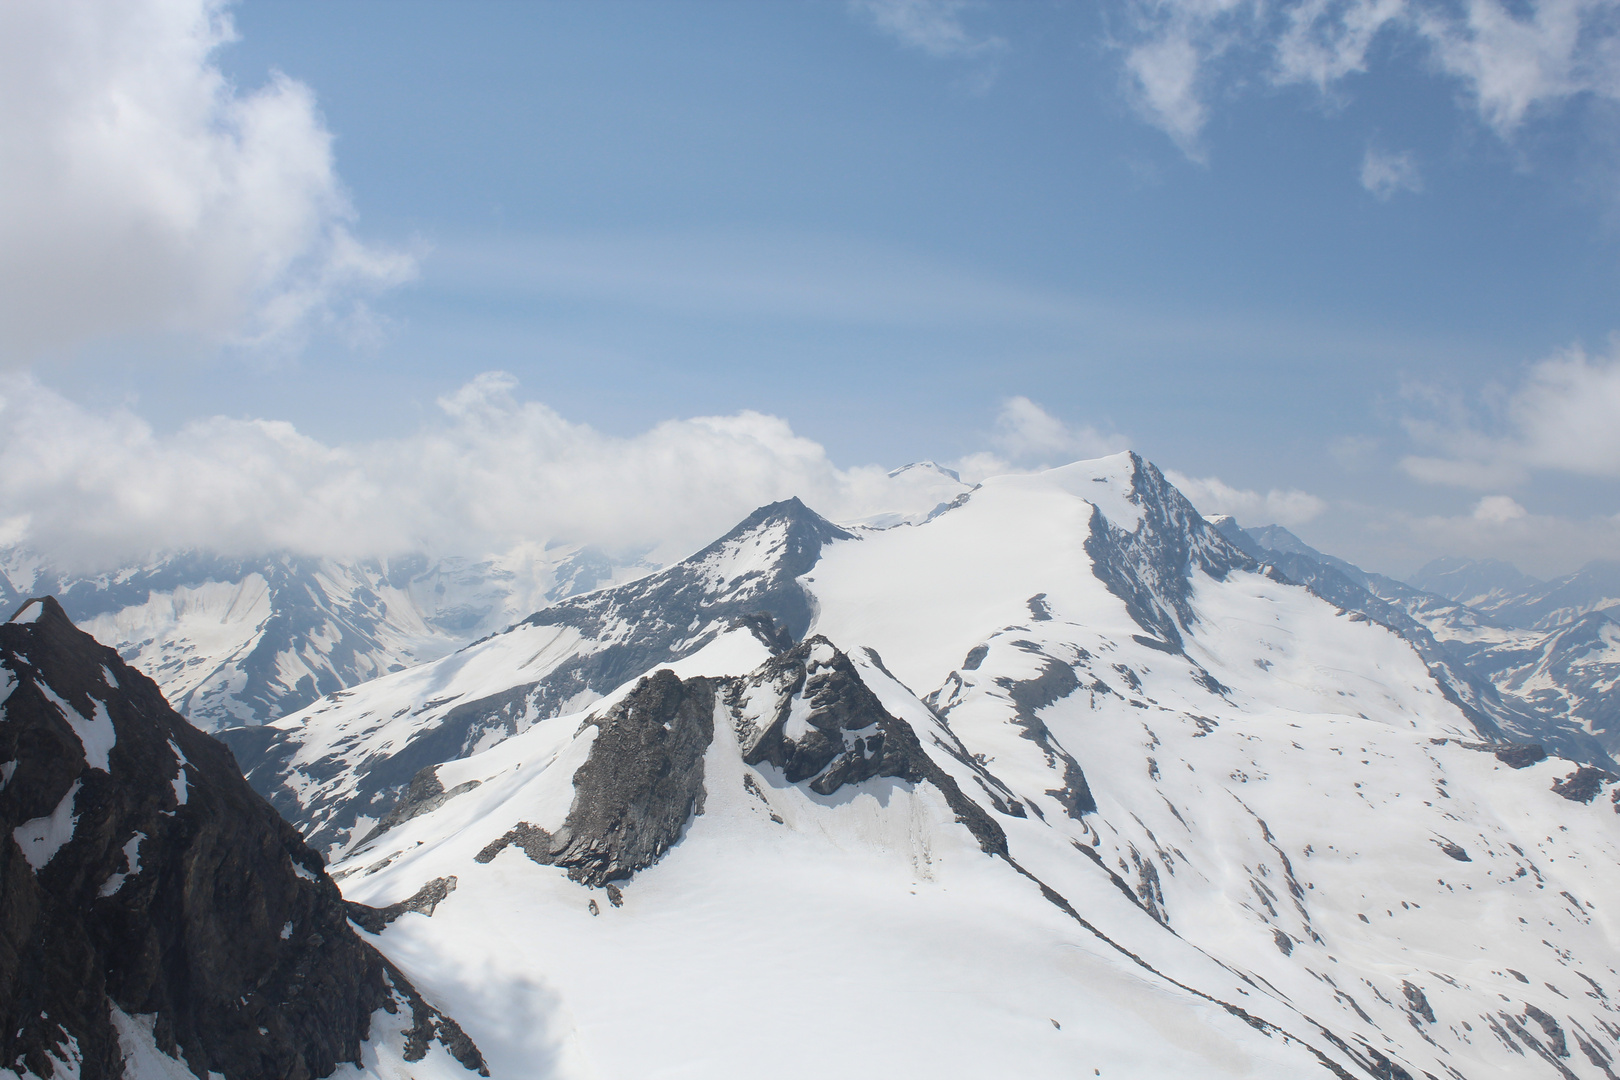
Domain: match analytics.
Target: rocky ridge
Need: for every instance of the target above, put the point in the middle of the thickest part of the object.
(152, 903)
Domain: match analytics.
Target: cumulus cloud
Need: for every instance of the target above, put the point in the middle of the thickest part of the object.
(490, 470)
(142, 192)
(1509, 59)
(98, 488)
(1561, 418)
(931, 26)
(1384, 173)
(1212, 496)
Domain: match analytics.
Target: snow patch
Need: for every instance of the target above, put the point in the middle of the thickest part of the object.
(137, 1046)
(132, 865)
(29, 612)
(96, 735)
(180, 783)
(42, 837)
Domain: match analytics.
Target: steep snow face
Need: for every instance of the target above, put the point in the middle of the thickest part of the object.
(242, 642)
(335, 768)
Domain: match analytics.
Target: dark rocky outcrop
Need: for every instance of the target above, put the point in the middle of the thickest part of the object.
(1584, 784)
(845, 735)
(1150, 568)
(640, 785)
(1056, 681)
(842, 735)
(424, 901)
(139, 870)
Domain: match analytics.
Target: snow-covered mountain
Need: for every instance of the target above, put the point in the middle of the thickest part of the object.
(1482, 584)
(235, 641)
(1057, 782)
(157, 919)
(1537, 678)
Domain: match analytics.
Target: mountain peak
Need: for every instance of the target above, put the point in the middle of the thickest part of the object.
(41, 609)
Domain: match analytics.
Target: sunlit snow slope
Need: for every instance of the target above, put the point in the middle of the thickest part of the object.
(1056, 783)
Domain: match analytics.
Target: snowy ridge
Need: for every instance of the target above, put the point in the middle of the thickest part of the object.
(336, 768)
(1057, 781)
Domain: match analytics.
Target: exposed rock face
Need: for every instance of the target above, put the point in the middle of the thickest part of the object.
(809, 713)
(139, 870)
(819, 723)
(1150, 568)
(639, 787)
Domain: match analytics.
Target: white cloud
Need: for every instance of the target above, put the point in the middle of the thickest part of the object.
(1026, 436)
(932, 26)
(1512, 63)
(141, 192)
(97, 488)
(1165, 70)
(1211, 496)
(1499, 510)
(1384, 173)
(1510, 60)
(1562, 418)
(1323, 41)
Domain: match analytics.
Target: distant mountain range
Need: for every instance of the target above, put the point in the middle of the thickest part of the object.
(244, 641)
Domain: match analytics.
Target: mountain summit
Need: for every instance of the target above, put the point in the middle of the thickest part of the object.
(1059, 781)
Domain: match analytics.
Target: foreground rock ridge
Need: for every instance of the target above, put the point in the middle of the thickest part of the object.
(153, 908)
(1060, 779)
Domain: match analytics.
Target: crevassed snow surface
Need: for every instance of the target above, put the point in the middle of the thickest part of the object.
(1300, 859)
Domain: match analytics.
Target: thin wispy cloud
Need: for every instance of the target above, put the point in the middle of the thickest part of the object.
(1278, 506)
(1384, 174)
(935, 27)
(1509, 62)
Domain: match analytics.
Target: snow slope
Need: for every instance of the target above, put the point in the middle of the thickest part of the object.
(1535, 679)
(1057, 782)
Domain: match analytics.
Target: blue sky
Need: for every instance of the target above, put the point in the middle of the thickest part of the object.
(1337, 250)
